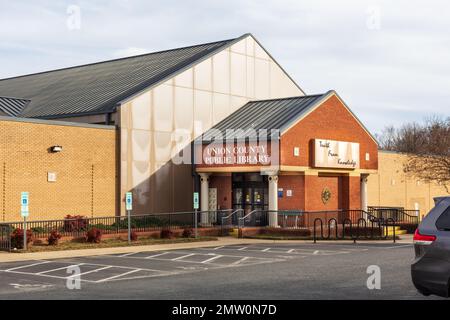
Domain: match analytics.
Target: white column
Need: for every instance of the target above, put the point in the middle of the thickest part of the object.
(273, 200)
(204, 197)
(363, 191)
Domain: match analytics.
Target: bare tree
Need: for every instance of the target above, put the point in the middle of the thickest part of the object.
(427, 146)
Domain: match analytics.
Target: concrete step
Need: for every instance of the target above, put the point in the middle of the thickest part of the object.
(397, 232)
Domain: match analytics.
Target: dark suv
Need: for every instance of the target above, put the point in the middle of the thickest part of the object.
(430, 269)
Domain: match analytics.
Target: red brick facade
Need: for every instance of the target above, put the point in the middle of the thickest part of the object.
(302, 184)
(331, 120)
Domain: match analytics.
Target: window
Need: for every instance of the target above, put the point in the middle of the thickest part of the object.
(443, 222)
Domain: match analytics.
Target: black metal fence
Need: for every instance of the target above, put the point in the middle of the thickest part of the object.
(365, 229)
(78, 226)
(408, 219)
(5, 237)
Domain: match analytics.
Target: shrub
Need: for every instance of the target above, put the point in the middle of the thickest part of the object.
(166, 234)
(133, 236)
(75, 223)
(188, 232)
(17, 238)
(94, 235)
(53, 238)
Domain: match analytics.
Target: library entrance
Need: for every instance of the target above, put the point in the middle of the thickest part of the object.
(250, 191)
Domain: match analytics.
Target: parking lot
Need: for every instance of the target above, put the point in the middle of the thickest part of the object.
(257, 271)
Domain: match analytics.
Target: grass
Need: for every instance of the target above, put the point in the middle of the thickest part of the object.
(109, 243)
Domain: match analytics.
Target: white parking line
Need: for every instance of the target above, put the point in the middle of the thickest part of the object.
(156, 255)
(91, 271)
(265, 250)
(291, 250)
(118, 276)
(243, 248)
(239, 261)
(127, 254)
(61, 268)
(28, 265)
(182, 257)
(217, 248)
(212, 259)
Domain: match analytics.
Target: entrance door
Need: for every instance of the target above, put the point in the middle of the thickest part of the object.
(250, 192)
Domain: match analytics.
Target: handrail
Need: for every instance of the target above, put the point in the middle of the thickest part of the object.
(245, 217)
(231, 215)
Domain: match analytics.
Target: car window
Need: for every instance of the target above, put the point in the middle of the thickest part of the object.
(443, 222)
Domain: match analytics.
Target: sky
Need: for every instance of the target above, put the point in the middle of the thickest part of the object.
(388, 60)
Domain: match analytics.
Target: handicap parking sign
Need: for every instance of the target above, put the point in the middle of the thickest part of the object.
(24, 202)
(129, 201)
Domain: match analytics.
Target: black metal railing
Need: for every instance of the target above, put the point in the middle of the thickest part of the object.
(77, 227)
(5, 237)
(365, 229)
(403, 217)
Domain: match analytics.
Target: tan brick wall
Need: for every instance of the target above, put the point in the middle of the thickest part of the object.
(391, 187)
(85, 169)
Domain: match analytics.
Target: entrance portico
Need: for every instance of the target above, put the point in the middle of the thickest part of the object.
(319, 161)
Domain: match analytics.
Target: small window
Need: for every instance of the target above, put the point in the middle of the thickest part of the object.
(443, 222)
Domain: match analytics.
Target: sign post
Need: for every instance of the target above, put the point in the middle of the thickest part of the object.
(129, 207)
(196, 207)
(24, 212)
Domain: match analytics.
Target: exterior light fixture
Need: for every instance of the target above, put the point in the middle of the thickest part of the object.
(55, 149)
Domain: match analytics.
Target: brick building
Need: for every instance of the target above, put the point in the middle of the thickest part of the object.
(130, 125)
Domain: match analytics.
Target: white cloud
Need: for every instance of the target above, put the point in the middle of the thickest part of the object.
(400, 69)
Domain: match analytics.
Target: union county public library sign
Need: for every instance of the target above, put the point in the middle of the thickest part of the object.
(250, 153)
(326, 154)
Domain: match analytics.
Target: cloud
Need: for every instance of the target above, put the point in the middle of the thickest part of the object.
(393, 72)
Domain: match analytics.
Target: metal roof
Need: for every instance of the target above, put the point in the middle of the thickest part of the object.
(97, 88)
(249, 120)
(12, 106)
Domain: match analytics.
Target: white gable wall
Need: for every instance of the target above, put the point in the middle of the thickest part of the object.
(183, 108)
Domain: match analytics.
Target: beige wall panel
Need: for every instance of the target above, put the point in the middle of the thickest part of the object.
(141, 144)
(203, 109)
(262, 79)
(239, 47)
(280, 84)
(162, 182)
(238, 74)
(221, 107)
(250, 74)
(260, 53)
(221, 73)
(163, 146)
(237, 102)
(124, 151)
(141, 119)
(140, 172)
(203, 75)
(185, 79)
(125, 120)
(184, 108)
(163, 108)
(250, 42)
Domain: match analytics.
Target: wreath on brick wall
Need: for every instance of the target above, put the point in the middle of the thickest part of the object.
(326, 195)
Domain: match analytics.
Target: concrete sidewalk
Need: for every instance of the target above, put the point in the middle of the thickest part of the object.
(223, 241)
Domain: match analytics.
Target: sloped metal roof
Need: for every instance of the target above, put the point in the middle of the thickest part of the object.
(255, 116)
(97, 88)
(12, 106)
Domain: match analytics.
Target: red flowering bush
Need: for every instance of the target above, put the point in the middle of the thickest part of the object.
(75, 223)
(187, 233)
(94, 235)
(133, 236)
(166, 234)
(53, 238)
(17, 238)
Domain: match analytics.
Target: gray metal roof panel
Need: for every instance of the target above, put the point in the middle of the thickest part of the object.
(12, 106)
(263, 114)
(98, 87)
